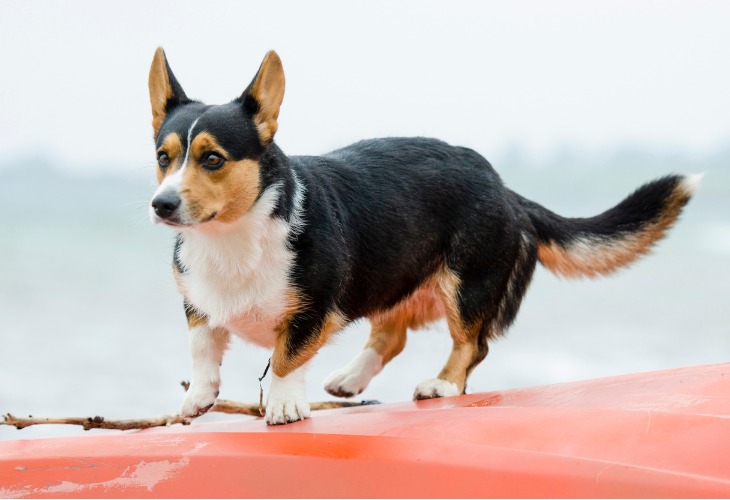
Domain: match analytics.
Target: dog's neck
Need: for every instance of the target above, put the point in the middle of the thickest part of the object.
(242, 268)
(276, 170)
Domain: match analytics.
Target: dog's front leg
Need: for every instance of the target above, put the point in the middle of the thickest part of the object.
(287, 401)
(298, 341)
(207, 346)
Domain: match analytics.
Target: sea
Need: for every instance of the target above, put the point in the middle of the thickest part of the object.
(91, 322)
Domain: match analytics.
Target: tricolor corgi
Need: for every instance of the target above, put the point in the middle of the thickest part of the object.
(285, 251)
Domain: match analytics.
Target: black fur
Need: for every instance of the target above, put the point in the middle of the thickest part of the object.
(632, 215)
(177, 264)
(178, 96)
(228, 123)
(385, 214)
(382, 215)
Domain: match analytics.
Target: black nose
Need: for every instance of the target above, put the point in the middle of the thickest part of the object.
(166, 203)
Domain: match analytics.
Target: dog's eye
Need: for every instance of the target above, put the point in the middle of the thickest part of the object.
(163, 160)
(212, 161)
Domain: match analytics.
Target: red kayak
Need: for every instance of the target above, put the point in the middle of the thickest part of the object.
(659, 434)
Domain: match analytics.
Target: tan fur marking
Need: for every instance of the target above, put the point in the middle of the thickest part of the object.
(283, 362)
(268, 90)
(294, 302)
(160, 89)
(228, 192)
(465, 336)
(456, 368)
(172, 145)
(565, 263)
(196, 319)
(388, 338)
(421, 307)
(388, 332)
(593, 258)
(449, 283)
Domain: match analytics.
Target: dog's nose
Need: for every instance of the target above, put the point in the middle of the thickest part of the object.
(166, 203)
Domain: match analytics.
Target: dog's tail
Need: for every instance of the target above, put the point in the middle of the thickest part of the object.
(576, 247)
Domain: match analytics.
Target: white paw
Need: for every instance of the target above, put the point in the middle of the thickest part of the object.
(287, 401)
(286, 411)
(198, 400)
(435, 388)
(355, 377)
(345, 384)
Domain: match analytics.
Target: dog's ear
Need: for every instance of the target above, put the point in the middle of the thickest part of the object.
(264, 95)
(165, 91)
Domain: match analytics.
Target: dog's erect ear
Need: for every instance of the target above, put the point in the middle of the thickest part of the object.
(264, 95)
(165, 91)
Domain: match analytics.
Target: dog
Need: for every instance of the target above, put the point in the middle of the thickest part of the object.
(285, 251)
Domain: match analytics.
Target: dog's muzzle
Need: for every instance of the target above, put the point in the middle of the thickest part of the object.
(166, 205)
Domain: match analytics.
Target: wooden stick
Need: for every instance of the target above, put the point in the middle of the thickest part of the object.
(228, 406)
(96, 422)
(221, 406)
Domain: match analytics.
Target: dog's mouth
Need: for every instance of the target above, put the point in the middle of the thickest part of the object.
(208, 218)
(175, 222)
(171, 223)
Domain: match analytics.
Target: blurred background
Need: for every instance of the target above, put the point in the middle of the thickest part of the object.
(575, 104)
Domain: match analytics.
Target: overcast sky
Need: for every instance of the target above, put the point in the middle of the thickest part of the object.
(73, 75)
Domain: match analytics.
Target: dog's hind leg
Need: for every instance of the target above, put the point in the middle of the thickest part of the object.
(469, 348)
(480, 302)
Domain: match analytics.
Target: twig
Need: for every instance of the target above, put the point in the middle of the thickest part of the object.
(96, 422)
(228, 406)
(221, 406)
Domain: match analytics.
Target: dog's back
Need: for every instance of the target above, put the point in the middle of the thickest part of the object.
(394, 212)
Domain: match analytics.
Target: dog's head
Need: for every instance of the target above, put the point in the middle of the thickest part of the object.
(208, 157)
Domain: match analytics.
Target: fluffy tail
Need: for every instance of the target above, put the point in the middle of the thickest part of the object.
(575, 247)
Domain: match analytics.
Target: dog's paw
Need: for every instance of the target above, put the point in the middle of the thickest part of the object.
(345, 383)
(198, 401)
(435, 388)
(355, 377)
(282, 411)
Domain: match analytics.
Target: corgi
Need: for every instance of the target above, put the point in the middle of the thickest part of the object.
(285, 251)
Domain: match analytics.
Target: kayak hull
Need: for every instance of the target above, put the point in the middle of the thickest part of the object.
(658, 434)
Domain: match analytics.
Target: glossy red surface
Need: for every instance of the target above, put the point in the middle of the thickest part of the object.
(659, 434)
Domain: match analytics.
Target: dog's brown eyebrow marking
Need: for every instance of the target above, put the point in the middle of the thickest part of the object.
(172, 144)
(205, 141)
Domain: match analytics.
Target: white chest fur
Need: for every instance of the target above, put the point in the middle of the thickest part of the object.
(239, 275)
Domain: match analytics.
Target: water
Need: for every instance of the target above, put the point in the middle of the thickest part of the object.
(92, 323)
